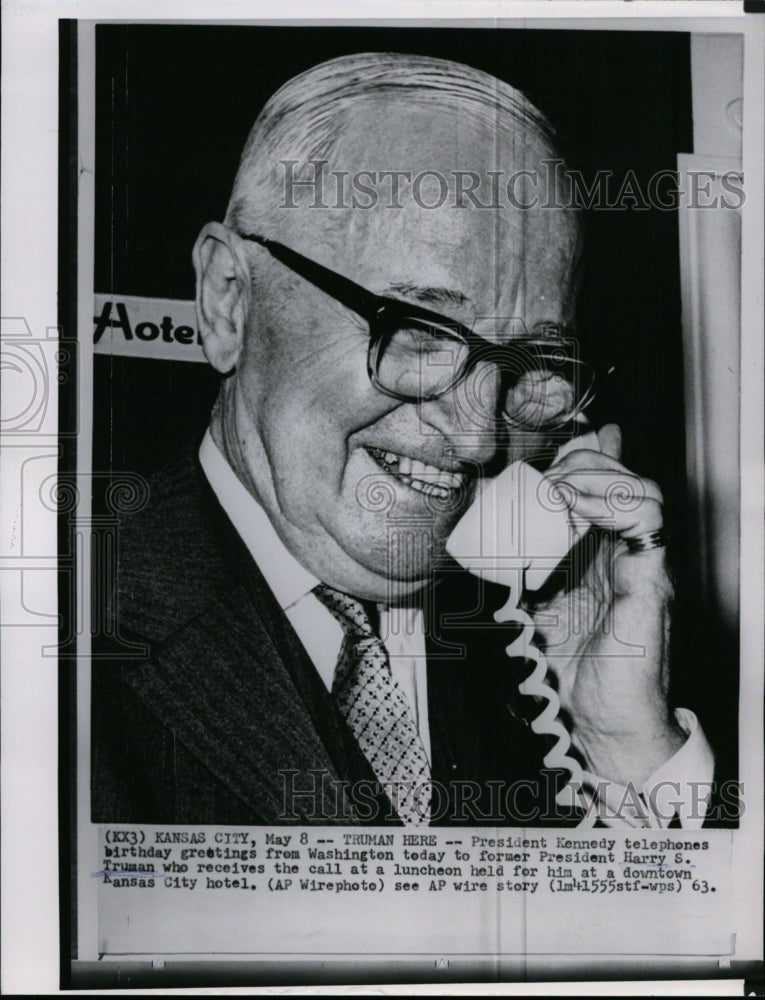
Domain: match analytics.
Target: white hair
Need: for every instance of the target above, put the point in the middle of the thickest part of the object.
(305, 118)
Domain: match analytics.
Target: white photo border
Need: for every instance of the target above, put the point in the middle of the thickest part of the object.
(31, 959)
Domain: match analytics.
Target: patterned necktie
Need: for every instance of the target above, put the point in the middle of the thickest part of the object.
(377, 711)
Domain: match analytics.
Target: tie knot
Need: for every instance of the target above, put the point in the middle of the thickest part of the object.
(349, 611)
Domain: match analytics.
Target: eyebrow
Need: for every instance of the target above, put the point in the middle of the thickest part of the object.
(430, 294)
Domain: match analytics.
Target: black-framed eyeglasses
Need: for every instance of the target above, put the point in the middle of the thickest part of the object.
(418, 355)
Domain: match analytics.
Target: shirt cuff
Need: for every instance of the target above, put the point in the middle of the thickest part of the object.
(677, 792)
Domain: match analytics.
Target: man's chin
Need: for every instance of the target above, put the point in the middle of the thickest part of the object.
(388, 554)
(409, 562)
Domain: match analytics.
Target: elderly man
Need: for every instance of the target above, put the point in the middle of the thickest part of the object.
(387, 319)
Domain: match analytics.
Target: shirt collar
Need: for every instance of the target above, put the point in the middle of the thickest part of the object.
(287, 578)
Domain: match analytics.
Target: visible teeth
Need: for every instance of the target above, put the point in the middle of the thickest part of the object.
(429, 489)
(424, 478)
(449, 480)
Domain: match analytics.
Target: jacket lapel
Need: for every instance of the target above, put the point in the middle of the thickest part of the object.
(233, 681)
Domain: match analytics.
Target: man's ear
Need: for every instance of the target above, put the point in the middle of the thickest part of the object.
(223, 294)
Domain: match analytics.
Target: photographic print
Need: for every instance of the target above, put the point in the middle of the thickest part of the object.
(402, 493)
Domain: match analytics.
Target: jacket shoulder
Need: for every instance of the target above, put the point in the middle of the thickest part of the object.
(174, 554)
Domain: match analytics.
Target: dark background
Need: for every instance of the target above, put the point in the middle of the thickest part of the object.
(174, 106)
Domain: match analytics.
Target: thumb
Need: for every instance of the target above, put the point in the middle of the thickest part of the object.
(610, 440)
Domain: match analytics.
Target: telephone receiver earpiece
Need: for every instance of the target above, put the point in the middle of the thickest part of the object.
(518, 527)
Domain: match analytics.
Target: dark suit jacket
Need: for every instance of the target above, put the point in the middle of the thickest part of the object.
(207, 709)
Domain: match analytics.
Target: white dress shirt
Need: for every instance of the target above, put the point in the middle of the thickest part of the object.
(675, 783)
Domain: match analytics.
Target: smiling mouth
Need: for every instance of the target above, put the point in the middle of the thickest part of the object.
(427, 479)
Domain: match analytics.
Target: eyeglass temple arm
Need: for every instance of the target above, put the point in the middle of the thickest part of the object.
(347, 292)
(361, 301)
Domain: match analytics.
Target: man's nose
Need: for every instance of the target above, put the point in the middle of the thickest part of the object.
(468, 415)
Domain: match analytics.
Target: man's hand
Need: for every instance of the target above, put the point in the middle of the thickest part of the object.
(606, 636)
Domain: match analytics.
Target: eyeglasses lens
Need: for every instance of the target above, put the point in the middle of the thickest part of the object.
(542, 386)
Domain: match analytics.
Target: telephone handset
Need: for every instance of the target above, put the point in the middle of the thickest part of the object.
(517, 530)
(515, 533)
